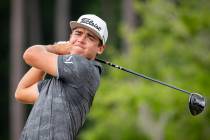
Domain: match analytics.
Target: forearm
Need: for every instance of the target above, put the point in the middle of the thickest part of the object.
(40, 57)
(59, 48)
(27, 90)
(51, 48)
(31, 77)
(44, 57)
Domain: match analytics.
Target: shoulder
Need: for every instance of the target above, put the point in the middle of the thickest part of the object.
(72, 59)
(97, 66)
(76, 66)
(78, 60)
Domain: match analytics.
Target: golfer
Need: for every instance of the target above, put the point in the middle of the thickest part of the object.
(61, 102)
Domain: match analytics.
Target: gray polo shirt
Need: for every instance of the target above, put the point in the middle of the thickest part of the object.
(64, 101)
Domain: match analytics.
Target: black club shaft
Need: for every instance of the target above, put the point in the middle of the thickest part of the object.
(142, 76)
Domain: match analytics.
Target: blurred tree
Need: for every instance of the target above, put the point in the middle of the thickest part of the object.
(17, 37)
(129, 22)
(171, 44)
(34, 21)
(4, 69)
(62, 14)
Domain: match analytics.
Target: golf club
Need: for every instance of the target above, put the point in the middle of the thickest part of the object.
(197, 102)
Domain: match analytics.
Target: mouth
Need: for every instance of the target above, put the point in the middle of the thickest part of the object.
(79, 46)
(77, 49)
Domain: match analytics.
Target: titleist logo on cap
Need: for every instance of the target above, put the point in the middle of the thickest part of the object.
(90, 22)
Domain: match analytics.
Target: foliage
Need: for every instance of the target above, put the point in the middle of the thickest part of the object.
(172, 44)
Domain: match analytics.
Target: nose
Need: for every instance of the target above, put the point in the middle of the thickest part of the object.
(81, 39)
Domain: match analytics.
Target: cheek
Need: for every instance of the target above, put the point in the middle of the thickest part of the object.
(71, 40)
(94, 49)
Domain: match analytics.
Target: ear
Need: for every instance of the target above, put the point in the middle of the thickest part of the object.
(101, 49)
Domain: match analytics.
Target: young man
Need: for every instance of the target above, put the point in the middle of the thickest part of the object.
(62, 102)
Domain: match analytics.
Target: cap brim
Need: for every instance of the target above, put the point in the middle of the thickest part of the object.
(74, 24)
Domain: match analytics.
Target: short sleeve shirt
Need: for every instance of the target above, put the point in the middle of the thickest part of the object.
(64, 101)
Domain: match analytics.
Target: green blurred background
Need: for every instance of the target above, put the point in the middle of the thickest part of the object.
(168, 40)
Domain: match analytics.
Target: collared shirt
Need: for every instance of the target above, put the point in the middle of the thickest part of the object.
(64, 101)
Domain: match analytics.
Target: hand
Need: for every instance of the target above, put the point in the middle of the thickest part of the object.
(60, 48)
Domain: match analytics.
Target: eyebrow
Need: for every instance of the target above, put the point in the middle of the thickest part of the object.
(89, 33)
(76, 30)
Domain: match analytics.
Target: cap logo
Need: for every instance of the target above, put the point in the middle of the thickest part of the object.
(91, 23)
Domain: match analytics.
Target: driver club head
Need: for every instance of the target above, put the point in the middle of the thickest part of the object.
(196, 103)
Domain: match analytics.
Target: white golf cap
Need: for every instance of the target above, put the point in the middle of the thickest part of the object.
(92, 23)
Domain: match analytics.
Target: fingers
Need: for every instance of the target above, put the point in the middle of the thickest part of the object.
(62, 42)
(63, 47)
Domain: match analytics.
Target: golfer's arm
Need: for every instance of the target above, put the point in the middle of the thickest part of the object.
(42, 57)
(27, 90)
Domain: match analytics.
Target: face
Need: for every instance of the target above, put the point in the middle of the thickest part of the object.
(85, 43)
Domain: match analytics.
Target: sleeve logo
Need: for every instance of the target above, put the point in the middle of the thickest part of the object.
(68, 60)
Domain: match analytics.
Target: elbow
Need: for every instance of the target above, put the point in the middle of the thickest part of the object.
(27, 56)
(30, 55)
(18, 96)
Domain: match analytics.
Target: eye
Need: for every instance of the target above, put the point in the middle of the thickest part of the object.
(91, 37)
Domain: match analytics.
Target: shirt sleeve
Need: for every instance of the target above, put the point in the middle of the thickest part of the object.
(41, 84)
(73, 69)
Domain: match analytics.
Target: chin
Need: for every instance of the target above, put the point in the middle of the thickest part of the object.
(77, 52)
(89, 57)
